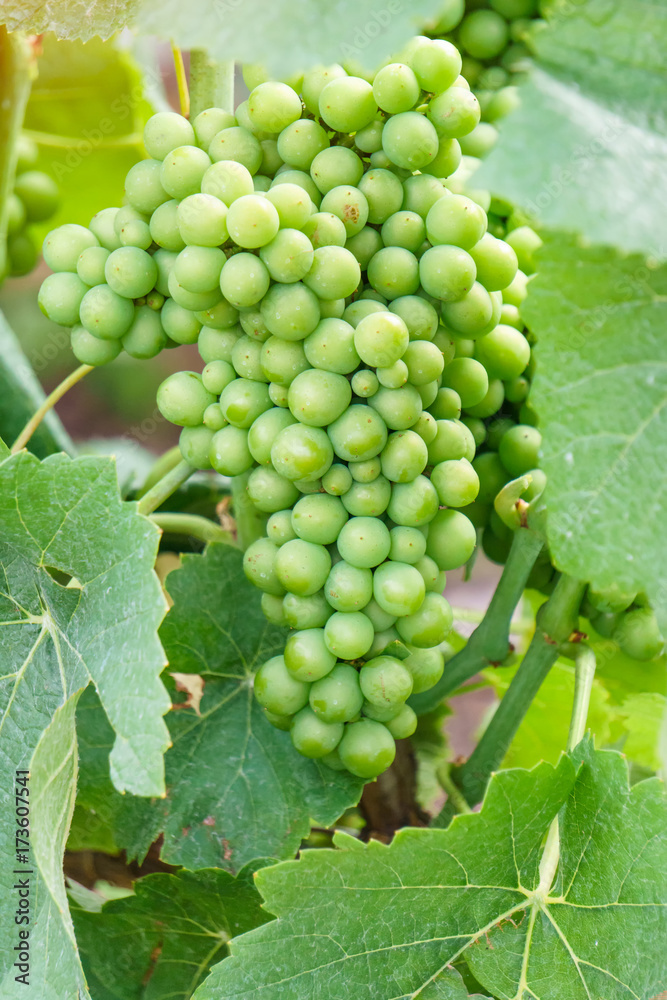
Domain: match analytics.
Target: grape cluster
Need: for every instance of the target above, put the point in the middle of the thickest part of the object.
(35, 198)
(349, 304)
(624, 616)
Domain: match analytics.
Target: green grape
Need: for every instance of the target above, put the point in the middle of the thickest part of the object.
(447, 273)
(290, 311)
(348, 588)
(16, 215)
(283, 360)
(398, 588)
(297, 178)
(39, 194)
(477, 430)
(209, 122)
(182, 399)
(227, 180)
(102, 225)
(198, 269)
(180, 324)
(380, 619)
(480, 141)
(216, 375)
(349, 205)
(90, 350)
(243, 400)
(381, 338)
(252, 324)
(385, 682)
(278, 394)
(408, 545)
(369, 139)
(404, 724)
(60, 297)
(504, 352)
(244, 280)
(483, 34)
(434, 578)
(424, 362)
(302, 567)
(301, 452)
(288, 256)
(105, 314)
(492, 476)
(426, 667)
(270, 491)
(366, 471)
(454, 113)
(337, 480)
(610, 599)
(359, 309)
(130, 272)
(364, 245)
(496, 429)
(426, 427)
(265, 430)
(349, 635)
(259, 563)
(456, 220)
(314, 82)
(146, 336)
(216, 345)
(525, 242)
(202, 220)
(399, 408)
(453, 441)
(364, 542)
(143, 186)
(272, 608)
(468, 378)
(446, 404)
(410, 140)
(367, 748)
(496, 262)
(306, 612)
(221, 316)
(331, 347)
(492, 402)
(519, 449)
(517, 290)
(279, 526)
(277, 691)
(213, 418)
(164, 227)
(419, 316)
(404, 457)
(638, 635)
(501, 103)
(182, 171)
(364, 383)
(325, 229)
(404, 229)
(447, 159)
(64, 245)
(429, 625)
(396, 88)
(133, 229)
(239, 144)
(368, 499)
(420, 193)
(318, 518)
(306, 655)
(394, 272)
(347, 104)
(317, 397)
(336, 166)
(337, 697)
(252, 221)
(509, 315)
(313, 737)
(192, 301)
(359, 433)
(436, 63)
(272, 106)
(334, 274)
(165, 131)
(194, 443)
(300, 142)
(451, 539)
(383, 192)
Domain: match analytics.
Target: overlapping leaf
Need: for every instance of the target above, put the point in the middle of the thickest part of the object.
(163, 940)
(594, 112)
(380, 922)
(70, 18)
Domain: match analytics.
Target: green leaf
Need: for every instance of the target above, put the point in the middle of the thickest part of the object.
(54, 965)
(287, 42)
(431, 749)
(20, 395)
(600, 392)
(79, 602)
(87, 112)
(14, 91)
(162, 940)
(543, 732)
(70, 18)
(594, 111)
(641, 716)
(379, 922)
(236, 788)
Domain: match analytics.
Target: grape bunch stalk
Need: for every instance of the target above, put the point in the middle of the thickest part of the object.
(35, 198)
(355, 317)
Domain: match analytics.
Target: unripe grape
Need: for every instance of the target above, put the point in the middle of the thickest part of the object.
(426, 667)
(429, 625)
(337, 697)
(348, 634)
(313, 737)
(347, 104)
(302, 567)
(451, 539)
(306, 655)
(319, 518)
(272, 106)
(413, 504)
(277, 691)
(306, 612)
(165, 131)
(367, 748)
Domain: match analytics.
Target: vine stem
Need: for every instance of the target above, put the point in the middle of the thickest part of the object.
(555, 624)
(249, 521)
(193, 525)
(489, 643)
(48, 404)
(211, 83)
(164, 488)
(181, 80)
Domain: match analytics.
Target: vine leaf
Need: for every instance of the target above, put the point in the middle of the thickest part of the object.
(162, 940)
(236, 788)
(325, 31)
(593, 108)
(70, 18)
(599, 322)
(388, 921)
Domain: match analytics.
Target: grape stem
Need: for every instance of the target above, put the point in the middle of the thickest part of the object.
(181, 80)
(211, 83)
(454, 794)
(162, 465)
(164, 488)
(472, 777)
(249, 521)
(489, 643)
(48, 404)
(193, 525)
